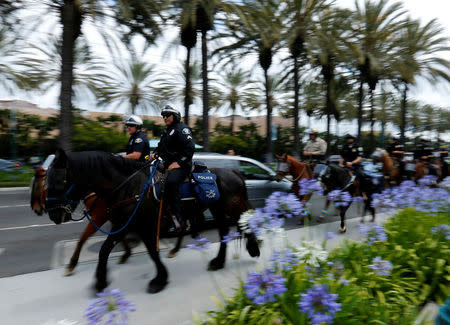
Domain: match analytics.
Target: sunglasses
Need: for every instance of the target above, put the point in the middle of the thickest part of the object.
(166, 115)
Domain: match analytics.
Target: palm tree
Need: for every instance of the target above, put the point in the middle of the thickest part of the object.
(256, 27)
(235, 90)
(175, 86)
(327, 50)
(300, 18)
(138, 15)
(376, 23)
(42, 62)
(129, 82)
(418, 54)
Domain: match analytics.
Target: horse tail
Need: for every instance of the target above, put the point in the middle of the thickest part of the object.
(245, 201)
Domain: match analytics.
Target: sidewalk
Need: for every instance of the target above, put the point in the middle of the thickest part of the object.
(38, 298)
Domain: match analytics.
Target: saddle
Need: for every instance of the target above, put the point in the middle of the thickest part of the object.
(200, 184)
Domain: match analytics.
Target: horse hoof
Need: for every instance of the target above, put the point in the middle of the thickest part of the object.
(124, 258)
(343, 230)
(69, 271)
(215, 265)
(155, 287)
(99, 286)
(172, 254)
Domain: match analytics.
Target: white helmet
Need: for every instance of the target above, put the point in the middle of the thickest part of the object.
(133, 120)
(169, 110)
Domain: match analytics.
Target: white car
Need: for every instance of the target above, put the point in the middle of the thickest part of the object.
(259, 179)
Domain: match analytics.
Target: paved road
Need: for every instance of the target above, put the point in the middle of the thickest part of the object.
(31, 243)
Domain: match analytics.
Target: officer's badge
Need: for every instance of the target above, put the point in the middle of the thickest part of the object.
(171, 132)
(138, 140)
(186, 131)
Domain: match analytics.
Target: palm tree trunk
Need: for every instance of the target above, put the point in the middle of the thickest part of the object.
(67, 56)
(372, 120)
(403, 114)
(205, 121)
(268, 119)
(233, 112)
(328, 108)
(296, 109)
(188, 86)
(360, 107)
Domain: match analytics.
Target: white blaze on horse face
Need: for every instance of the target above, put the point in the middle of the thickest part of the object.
(48, 162)
(283, 167)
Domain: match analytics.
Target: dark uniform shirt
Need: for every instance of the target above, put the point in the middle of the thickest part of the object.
(395, 147)
(350, 152)
(138, 142)
(176, 145)
(423, 149)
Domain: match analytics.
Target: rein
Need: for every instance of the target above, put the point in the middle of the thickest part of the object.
(144, 190)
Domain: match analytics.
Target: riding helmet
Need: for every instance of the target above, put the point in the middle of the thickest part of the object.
(133, 120)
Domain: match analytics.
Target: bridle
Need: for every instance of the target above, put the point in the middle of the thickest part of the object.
(284, 167)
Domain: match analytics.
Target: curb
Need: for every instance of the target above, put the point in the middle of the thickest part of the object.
(7, 189)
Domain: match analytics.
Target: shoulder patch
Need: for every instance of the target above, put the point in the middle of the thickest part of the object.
(186, 131)
(138, 140)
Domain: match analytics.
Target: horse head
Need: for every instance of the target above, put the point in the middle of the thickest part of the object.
(60, 201)
(282, 167)
(38, 191)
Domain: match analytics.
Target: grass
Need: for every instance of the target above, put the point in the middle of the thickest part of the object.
(18, 177)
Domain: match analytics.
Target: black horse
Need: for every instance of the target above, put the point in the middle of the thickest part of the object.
(334, 177)
(119, 183)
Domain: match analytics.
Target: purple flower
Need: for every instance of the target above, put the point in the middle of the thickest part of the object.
(284, 259)
(441, 229)
(281, 204)
(427, 180)
(111, 305)
(309, 186)
(340, 198)
(260, 222)
(373, 233)
(358, 199)
(263, 287)
(230, 236)
(381, 267)
(330, 235)
(201, 244)
(319, 305)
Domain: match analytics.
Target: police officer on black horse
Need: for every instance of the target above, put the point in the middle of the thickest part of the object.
(138, 147)
(176, 148)
(351, 156)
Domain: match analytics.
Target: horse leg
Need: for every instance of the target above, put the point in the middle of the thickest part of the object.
(368, 206)
(107, 246)
(127, 252)
(159, 282)
(324, 211)
(99, 219)
(189, 214)
(218, 262)
(343, 228)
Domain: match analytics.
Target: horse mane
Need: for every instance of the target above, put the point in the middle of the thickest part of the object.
(99, 160)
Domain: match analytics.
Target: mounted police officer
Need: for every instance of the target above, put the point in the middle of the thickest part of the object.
(351, 156)
(138, 147)
(315, 148)
(396, 150)
(424, 151)
(176, 148)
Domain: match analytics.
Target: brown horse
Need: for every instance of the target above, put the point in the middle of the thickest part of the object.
(288, 165)
(95, 207)
(391, 170)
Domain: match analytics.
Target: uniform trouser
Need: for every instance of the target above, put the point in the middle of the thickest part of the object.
(172, 190)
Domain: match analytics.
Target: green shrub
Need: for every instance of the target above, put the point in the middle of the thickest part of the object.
(420, 274)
